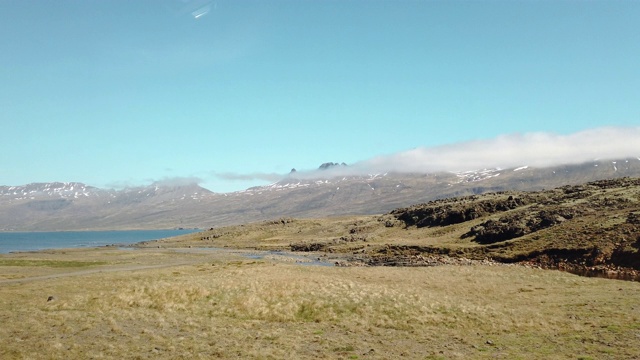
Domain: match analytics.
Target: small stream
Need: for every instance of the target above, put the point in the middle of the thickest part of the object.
(309, 259)
(276, 255)
(289, 257)
(627, 275)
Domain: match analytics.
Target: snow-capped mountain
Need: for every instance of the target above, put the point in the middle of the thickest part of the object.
(76, 206)
(613, 168)
(77, 190)
(61, 190)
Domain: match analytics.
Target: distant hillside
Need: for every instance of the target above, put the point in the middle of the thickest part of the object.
(76, 206)
(590, 229)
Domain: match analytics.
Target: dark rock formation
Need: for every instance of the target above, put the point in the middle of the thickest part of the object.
(518, 224)
(306, 247)
(328, 165)
(443, 212)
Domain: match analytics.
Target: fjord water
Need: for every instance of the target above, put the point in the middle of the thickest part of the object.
(30, 241)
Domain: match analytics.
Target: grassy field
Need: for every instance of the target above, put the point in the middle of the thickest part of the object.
(236, 292)
(163, 303)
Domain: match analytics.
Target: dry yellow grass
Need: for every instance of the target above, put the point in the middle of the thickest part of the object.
(221, 306)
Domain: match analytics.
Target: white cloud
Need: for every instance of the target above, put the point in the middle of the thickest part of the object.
(505, 151)
(230, 176)
(178, 181)
(165, 181)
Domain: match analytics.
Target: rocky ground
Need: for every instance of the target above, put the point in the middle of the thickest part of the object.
(591, 229)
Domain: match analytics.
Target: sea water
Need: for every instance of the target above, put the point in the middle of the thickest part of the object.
(30, 241)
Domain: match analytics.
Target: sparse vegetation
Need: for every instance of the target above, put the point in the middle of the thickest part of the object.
(227, 307)
(50, 263)
(238, 291)
(590, 229)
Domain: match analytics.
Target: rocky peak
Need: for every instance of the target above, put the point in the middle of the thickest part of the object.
(328, 165)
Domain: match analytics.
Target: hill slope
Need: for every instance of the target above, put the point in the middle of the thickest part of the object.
(75, 206)
(590, 229)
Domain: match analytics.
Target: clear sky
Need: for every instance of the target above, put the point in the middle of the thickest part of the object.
(231, 92)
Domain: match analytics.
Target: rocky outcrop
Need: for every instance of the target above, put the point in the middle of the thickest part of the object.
(518, 224)
(633, 218)
(307, 247)
(328, 165)
(444, 212)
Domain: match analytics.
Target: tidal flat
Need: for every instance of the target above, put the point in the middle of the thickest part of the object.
(163, 303)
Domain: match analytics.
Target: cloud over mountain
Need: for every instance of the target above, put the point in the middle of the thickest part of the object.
(249, 176)
(533, 149)
(537, 149)
(178, 181)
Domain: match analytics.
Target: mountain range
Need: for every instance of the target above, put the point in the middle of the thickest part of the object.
(77, 206)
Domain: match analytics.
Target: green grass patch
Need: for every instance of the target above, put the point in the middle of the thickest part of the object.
(50, 263)
(308, 311)
(346, 348)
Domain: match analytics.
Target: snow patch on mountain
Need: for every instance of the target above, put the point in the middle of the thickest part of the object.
(477, 175)
(291, 183)
(62, 190)
(78, 191)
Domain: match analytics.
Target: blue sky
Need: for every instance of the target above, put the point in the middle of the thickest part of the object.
(123, 93)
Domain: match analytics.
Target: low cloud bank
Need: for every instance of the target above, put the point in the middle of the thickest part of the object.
(165, 181)
(248, 177)
(178, 181)
(532, 149)
(537, 149)
(505, 151)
